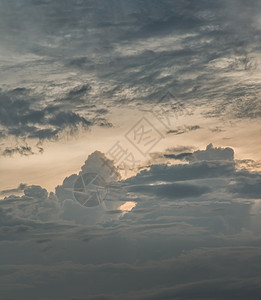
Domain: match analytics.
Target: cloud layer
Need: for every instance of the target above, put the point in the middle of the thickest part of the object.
(89, 56)
(194, 233)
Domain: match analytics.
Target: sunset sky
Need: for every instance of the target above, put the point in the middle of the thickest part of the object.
(167, 95)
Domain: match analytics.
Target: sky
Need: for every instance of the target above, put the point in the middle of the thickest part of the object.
(130, 149)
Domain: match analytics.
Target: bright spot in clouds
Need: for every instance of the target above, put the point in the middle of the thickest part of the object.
(127, 207)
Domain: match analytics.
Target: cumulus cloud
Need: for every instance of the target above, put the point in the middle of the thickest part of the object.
(36, 192)
(97, 166)
(212, 153)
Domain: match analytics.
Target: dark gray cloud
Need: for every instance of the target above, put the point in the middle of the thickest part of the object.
(210, 154)
(171, 191)
(20, 117)
(247, 186)
(22, 150)
(20, 188)
(197, 170)
(36, 192)
(180, 156)
(26, 117)
(183, 130)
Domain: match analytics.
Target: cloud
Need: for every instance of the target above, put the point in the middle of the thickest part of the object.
(36, 192)
(99, 165)
(197, 170)
(209, 154)
(171, 191)
(20, 188)
(217, 154)
(22, 150)
(246, 186)
(20, 119)
(25, 118)
(183, 130)
(180, 156)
